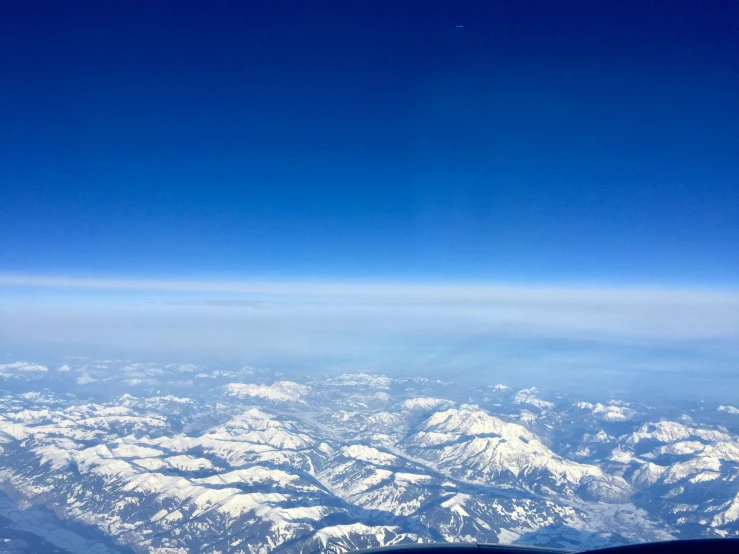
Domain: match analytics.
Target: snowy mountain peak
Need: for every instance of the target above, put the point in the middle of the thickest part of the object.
(425, 403)
(366, 380)
(529, 396)
(470, 420)
(281, 391)
(369, 454)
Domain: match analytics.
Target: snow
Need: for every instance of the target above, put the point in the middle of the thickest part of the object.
(705, 476)
(682, 448)
(601, 436)
(647, 475)
(424, 403)
(135, 451)
(456, 504)
(383, 419)
(681, 470)
(671, 431)
(56, 457)
(361, 380)
(506, 536)
(284, 471)
(729, 515)
(259, 475)
(729, 409)
(15, 430)
(526, 417)
(314, 513)
(161, 401)
(412, 477)
(621, 456)
(470, 420)
(328, 535)
(471, 443)
(255, 426)
(528, 396)
(174, 517)
(152, 464)
(724, 450)
(281, 391)
(368, 454)
(613, 417)
(608, 412)
(188, 463)
(381, 397)
(35, 416)
(239, 504)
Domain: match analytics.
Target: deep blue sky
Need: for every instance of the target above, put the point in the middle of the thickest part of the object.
(544, 142)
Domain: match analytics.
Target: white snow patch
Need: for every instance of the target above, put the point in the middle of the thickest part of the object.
(425, 403)
(368, 454)
(411, 477)
(188, 463)
(135, 451)
(506, 536)
(361, 380)
(281, 391)
(528, 396)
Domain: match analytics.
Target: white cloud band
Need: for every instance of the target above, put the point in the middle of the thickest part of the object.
(297, 319)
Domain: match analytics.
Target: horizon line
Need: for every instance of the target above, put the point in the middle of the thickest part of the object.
(377, 287)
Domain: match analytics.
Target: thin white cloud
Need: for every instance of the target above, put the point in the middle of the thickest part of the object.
(403, 291)
(371, 322)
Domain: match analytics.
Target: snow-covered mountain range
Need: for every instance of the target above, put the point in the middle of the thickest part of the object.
(108, 456)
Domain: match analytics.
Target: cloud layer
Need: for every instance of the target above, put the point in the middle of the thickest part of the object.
(376, 324)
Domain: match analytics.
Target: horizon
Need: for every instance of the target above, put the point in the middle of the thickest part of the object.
(621, 340)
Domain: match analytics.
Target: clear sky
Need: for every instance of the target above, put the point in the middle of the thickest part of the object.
(544, 142)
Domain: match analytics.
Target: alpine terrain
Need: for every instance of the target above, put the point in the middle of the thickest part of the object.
(115, 456)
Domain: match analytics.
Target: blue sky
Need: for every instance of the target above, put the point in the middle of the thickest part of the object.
(542, 143)
(519, 190)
